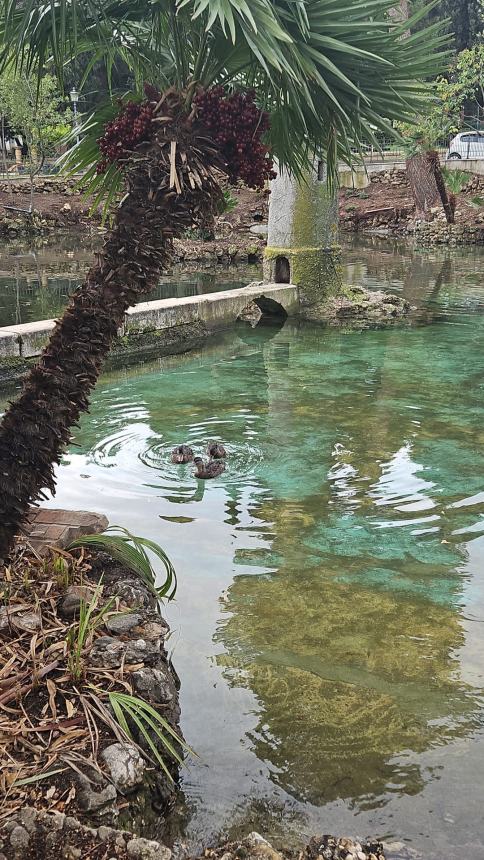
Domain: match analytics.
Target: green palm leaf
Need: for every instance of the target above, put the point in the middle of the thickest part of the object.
(132, 552)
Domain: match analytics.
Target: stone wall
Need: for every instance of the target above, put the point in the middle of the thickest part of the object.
(42, 185)
(212, 310)
(395, 178)
(440, 233)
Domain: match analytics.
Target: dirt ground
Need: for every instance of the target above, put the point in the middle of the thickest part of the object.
(65, 209)
(232, 231)
(357, 205)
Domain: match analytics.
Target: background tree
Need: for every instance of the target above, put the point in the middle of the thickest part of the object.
(462, 91)
(464, 19)
(329, 73)
(35, 109)
(424, 171)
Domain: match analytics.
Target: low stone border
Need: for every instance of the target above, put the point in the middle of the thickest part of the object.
(31, 834)
(438, 232)
(213, 310)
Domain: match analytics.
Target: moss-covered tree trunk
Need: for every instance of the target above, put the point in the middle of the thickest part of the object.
(303, 235)
(170, 185)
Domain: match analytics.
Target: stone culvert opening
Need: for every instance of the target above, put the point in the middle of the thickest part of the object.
(263, 310)
(282, 271)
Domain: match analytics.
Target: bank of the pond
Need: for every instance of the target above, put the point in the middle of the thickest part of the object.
(386, 207)
(89, 695)
(32, 835)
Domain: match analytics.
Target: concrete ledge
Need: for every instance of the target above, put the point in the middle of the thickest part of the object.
(26, 340)
(215, 310)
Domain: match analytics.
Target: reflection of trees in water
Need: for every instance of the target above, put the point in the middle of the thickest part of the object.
(347, 676)
(349, 647)
(422, 275)
(46, 273)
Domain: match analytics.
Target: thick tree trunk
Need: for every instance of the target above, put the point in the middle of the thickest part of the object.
(448, 201)
(171, 185)
(423, 184)
(428, 186)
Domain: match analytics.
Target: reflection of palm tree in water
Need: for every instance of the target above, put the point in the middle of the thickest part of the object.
(347, 675)
(349, 647)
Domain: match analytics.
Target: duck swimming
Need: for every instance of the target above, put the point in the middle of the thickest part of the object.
(208, 470)
(216, 451)
(182, 454)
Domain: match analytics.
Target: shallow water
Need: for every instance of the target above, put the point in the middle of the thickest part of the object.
(328, 627)
(36, 282)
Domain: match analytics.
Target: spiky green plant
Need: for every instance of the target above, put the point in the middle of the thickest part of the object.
(330, 73)
(151, 727)
(455, 180)
(131, 551)
(81, 633)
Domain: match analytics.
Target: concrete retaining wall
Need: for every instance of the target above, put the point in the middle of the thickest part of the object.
(215, 310)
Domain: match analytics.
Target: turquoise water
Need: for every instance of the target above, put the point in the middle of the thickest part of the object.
(36, 281)
(328, 627)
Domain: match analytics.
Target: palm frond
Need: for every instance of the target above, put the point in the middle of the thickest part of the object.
(332, 73)
(132, 552)
(151, 728)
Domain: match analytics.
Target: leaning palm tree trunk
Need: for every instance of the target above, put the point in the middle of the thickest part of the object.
(170, 184)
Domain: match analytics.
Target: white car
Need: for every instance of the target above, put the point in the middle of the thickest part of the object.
(467, 144)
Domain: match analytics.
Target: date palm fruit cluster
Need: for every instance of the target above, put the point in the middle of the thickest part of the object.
(234, 122)
(131, 126)
(237, 126)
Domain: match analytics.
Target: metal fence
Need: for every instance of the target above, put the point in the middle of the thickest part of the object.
(466, 144)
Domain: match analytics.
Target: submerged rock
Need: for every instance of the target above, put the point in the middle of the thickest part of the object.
(147, 849)
(343, 848)
(259, 848)
(360, 306)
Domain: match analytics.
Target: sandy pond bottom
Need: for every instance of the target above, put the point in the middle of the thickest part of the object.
(328, 627)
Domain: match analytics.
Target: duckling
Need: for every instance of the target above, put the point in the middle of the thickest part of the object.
(182, 454)
(208, 470)
(216, 451)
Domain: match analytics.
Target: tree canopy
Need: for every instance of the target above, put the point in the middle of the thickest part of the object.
(464, 19)
(330, 72)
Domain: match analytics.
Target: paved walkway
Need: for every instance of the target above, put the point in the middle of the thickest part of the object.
(45, 527)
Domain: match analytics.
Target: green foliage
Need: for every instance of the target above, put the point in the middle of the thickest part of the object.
(131, 551)
(332, 73)
(132, 710)
(81, 634)
(35, 109)
(455, 180)
(229, 202)
(463, 19)
(465, 83)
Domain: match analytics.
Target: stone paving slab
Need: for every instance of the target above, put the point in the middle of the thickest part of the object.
(45, 527)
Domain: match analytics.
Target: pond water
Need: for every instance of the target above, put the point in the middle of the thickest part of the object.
(36, 282)
(328, 627)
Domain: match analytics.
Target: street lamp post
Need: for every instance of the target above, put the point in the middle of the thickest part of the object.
(74, 99)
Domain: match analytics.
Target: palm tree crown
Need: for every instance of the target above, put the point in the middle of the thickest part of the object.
(332, 73)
